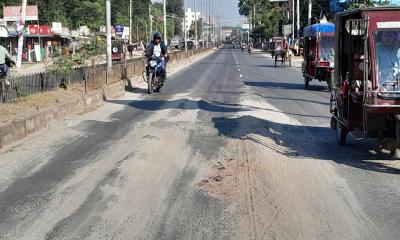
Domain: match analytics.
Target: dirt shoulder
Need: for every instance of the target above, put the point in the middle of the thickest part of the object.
(34, 103)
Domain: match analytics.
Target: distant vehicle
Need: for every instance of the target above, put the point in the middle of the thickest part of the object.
(190, 44)
(117, 50)
(275, 44)
(174, 44)
(297, 46)
(319, 54)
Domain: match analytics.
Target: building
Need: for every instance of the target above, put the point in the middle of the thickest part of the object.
(190, 18)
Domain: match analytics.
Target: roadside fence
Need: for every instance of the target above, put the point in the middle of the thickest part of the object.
(89, 77)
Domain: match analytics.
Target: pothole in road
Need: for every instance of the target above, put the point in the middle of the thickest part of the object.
(225, 178)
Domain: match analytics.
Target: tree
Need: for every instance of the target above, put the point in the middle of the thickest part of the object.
(175, 9)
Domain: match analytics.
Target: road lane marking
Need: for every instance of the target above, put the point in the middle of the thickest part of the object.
(241, 76)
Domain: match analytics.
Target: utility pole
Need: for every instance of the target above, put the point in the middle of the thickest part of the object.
(151, 21)
(21, 35)
(130, 21)
(185, 26)
(202, 22)
(108, 23)
(254, 15)
(298, 18)
(309, 11)
(195, 24)
(209, 22)
(165, 22)
(293, 6)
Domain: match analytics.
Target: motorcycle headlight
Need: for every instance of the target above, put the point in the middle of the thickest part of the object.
(115, 49)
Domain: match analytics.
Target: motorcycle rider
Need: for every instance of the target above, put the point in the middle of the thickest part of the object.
(158, 49)
(4, 55)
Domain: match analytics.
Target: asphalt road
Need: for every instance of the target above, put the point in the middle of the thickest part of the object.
(233, 148)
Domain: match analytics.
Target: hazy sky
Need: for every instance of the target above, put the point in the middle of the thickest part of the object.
(226, 9)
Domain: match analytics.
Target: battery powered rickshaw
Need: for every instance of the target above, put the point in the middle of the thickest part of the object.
(365, 100)
(319, 53)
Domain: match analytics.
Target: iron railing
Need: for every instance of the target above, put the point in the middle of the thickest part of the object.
(90, 77)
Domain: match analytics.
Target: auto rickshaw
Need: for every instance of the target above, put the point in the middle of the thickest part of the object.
(365, 100)
(118, 50)
(319, 53)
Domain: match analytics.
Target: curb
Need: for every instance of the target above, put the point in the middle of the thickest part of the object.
(21, 128)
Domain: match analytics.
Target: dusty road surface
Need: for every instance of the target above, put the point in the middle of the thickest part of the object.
(233, 148)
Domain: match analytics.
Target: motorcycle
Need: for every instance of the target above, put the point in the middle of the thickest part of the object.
(155, 79)
(4, 79)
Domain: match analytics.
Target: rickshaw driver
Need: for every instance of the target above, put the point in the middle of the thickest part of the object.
(387, 50)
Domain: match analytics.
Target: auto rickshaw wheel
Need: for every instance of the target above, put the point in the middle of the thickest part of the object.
(341, 134)
(306, 81)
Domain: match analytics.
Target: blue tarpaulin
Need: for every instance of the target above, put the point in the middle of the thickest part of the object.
(312, 30)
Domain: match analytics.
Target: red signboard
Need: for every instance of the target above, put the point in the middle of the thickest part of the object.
(13, 13)
(40, 30)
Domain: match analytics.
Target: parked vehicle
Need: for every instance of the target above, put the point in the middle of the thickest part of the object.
(366, 96)
(297, 46)
(155, 80)
(190, 44)
(319, 53)
(174, 44)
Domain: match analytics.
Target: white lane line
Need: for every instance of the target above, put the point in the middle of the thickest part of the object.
(241, 76)
(234, 56)
(239, 70)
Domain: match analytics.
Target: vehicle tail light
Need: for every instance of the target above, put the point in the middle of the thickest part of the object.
(324, 64)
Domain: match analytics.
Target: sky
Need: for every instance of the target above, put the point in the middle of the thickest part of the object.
(226, 9)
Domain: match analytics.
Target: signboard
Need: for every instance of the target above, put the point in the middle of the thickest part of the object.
(66, 32)
(84, 30)
(119, 30)
(75, 34)
(388, 24)
(246, 26)
(13, 13)
(287, 29)
(39, 30)
(103, 29)
(125, 34)
(56, 27)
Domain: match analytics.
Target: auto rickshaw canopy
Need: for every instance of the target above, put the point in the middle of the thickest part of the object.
(313, 30)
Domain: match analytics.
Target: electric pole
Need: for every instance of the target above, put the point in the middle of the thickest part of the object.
(130, 21)
(151, 22)
(185, 26)
(309, 11)
(195, 24)
(21, 35)
(298, 18)
(108, 23)
(293, 19)
(202, 22)
(165, 22)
